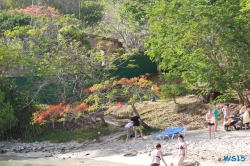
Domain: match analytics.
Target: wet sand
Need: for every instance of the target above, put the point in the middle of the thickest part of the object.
(68, 162)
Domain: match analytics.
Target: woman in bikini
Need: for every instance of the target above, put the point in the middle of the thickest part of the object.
(156, 156)
(181, 151)
(210, 123)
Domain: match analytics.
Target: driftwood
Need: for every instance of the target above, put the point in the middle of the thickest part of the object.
(119, 117)
(96, 115)
(71, 122)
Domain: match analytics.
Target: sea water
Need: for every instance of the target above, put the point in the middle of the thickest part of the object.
(3, 163)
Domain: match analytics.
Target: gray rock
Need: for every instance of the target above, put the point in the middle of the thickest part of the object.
(3, 151)
(130, 154)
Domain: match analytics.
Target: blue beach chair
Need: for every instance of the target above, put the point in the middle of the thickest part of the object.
(179, 130)
(170, 132)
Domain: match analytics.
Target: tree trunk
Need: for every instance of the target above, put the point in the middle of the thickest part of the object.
(157, 64)
(63, 123)
(137, 114)
(174, 99)
(53, 124)
(243, 99)
(100, 115)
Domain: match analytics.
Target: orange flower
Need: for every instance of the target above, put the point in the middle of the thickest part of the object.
(66, 109)
(58, 109)
(119, 105)
(81, 107)
(38, 11)
(92, 89)
(86, 90)
(123, 80)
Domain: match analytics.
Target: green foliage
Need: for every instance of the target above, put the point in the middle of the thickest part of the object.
(90, 12)
(201, 42)
(31, 130)
(173, 87)
(15, 113)
(13, 4)
(11, 20)
(7, 117)
(135, 10)
(79, 135)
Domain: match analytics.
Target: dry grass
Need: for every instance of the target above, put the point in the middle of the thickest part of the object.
(189, 112)
(163, 114)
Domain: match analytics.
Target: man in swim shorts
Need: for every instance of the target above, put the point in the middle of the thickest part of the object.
(136, 125)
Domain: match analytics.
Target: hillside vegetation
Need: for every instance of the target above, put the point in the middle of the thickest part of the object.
(66, 54)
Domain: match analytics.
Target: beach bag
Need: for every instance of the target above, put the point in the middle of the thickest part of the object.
(132, 134)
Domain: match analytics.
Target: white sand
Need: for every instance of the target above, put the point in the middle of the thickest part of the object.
(110, 151)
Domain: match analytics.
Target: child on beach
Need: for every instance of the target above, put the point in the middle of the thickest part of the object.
(156, 156)
(128, 127)
(210, 123)
(226, 111)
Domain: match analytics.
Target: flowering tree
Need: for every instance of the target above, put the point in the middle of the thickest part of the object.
(38, 10)
(101, 96)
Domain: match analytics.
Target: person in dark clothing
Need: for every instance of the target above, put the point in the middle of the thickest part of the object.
(137, 126)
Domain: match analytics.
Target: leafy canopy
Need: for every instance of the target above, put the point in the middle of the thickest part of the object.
(201, 42)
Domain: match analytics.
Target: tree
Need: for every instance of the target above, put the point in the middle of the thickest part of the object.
(7, 117)
(115, 23)
(38, 10)
(13, 4)
(202, 42)
(107, 93)
(90, 12)
(11, 20)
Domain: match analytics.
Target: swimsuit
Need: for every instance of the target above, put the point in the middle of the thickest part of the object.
(154, 164)
(216, 115)
(181, 147)
(210, 124)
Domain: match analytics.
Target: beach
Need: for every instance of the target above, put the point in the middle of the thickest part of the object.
(111, 151)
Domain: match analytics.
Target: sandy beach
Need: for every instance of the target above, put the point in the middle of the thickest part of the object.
(111, 151)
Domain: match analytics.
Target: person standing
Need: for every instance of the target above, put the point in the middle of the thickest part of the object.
(243, 109)
(136, 125)
(181, 150)
(210, 122)
(216, 116)
(156, 156)
(226, 111)
(128, 127)
(246, 117)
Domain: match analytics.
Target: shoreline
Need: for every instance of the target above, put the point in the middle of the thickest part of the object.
(111, 151)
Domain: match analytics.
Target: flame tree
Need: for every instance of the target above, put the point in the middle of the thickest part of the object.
(103, 95)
